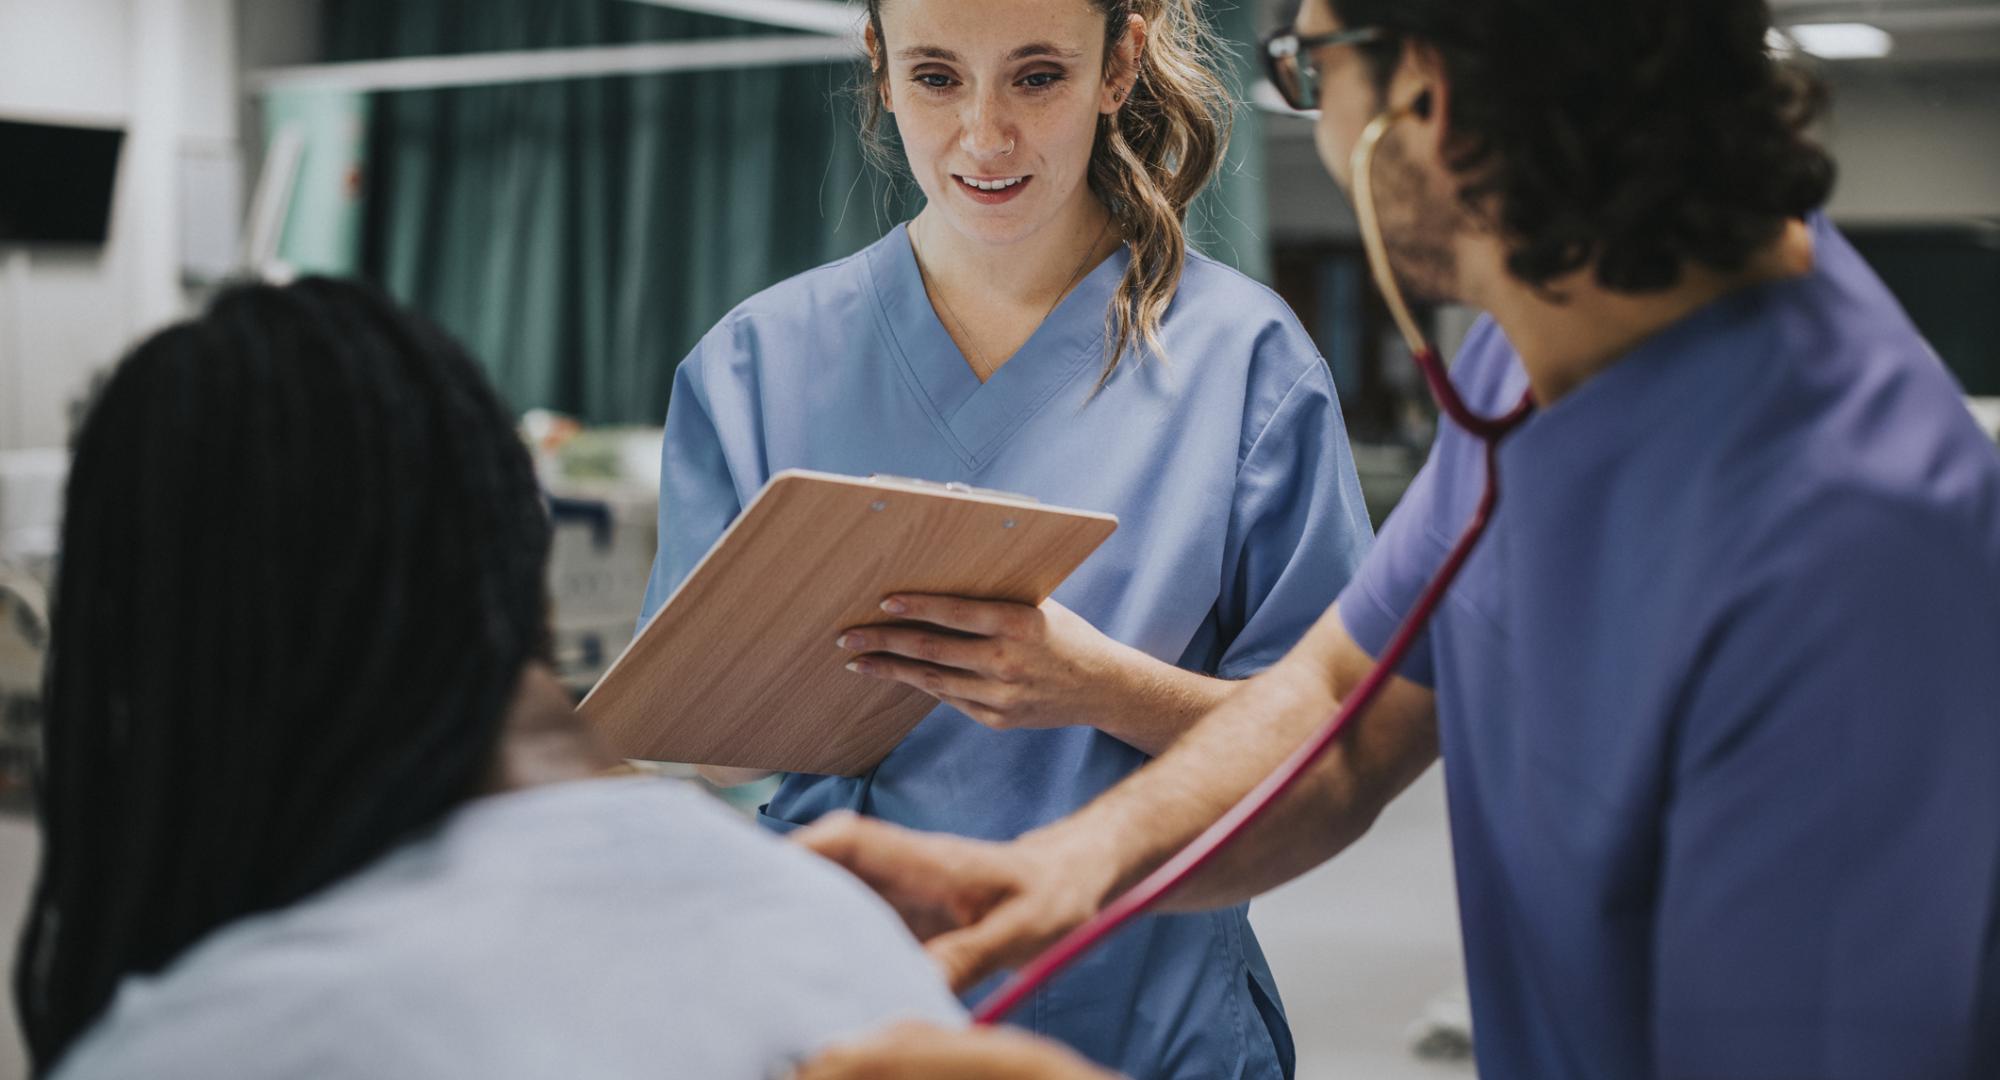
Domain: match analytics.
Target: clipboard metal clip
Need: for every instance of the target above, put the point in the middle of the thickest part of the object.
(952, 486)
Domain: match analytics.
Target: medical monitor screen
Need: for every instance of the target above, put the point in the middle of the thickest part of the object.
(55, 182)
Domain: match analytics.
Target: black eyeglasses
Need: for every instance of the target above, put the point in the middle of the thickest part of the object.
(1289, 64)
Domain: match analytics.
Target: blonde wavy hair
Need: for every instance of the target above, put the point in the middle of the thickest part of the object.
(1151, 158)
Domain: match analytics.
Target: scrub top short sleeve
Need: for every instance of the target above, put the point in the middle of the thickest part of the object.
(697, 498)
(1284, 534)
(1389, 581)
(1430, 516)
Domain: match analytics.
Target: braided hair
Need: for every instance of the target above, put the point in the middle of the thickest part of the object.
(301, 575)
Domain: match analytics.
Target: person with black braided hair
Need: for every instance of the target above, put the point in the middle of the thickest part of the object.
(313, 802)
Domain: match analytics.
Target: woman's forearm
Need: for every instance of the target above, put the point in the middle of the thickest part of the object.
(1158, 702)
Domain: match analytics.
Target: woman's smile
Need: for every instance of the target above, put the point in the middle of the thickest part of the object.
(991, 190)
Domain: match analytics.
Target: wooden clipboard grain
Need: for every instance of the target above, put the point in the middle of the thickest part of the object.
(739, 667)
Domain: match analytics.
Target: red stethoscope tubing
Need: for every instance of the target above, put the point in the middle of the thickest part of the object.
(1489, 430)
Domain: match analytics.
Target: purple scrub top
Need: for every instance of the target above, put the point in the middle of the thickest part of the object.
(1719, 699)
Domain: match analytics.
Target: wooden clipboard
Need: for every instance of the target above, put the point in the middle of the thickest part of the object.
(739, 667)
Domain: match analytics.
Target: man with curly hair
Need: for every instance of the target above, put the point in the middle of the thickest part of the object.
(1719, 696)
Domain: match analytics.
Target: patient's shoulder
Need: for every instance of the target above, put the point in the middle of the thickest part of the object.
(240, 1023)
(567, 930)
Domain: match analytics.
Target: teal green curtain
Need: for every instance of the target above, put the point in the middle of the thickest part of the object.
(581, 236)
(1231, 220)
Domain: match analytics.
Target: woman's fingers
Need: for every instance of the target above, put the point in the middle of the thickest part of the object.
(944, 649)
(986, 618)
(939, 682)
(1008, 666)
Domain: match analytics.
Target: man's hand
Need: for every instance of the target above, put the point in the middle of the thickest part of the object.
(922, 1052)
(981, 907)
(978, 907)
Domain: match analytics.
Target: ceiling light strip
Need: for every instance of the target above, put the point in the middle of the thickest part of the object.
(544, 65)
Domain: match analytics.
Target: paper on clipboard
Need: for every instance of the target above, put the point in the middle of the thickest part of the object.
(739, 667)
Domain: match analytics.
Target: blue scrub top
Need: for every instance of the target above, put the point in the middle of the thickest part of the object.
(1719, 699)
(1240, 518)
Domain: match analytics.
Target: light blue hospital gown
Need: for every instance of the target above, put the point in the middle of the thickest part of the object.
(614, 929)
(1240, 520)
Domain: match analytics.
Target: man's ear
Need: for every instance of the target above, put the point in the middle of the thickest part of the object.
(1422, 86)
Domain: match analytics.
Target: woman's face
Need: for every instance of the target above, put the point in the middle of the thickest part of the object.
(997, 103)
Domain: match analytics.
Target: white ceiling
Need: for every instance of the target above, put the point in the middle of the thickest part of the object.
(1926, 32)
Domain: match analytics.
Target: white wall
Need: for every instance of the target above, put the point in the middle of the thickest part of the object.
(1912, 144)
(1305, 203)
(271, 34)
(1915, 144)
(166, 71)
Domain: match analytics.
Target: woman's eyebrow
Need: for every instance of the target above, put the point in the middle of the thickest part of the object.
(1043, 48)
(1032, 49)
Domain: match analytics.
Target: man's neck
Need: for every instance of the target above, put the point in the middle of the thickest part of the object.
(1574, 328)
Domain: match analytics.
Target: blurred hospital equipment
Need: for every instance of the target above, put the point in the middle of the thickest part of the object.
(603, 489)
(31, 497)
(24, 635)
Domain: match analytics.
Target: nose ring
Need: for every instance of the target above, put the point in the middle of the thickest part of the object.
(1009, 152)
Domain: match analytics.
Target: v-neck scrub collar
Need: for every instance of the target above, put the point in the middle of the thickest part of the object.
(978, 418)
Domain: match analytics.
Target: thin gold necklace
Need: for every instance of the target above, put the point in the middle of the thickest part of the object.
(965, 335)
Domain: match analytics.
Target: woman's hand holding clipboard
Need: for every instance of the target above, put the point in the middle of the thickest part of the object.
(740, 667)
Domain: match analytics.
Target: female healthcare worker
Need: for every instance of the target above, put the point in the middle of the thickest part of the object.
(1040, 327)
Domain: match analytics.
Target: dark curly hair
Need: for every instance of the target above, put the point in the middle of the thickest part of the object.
(1638, 134)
